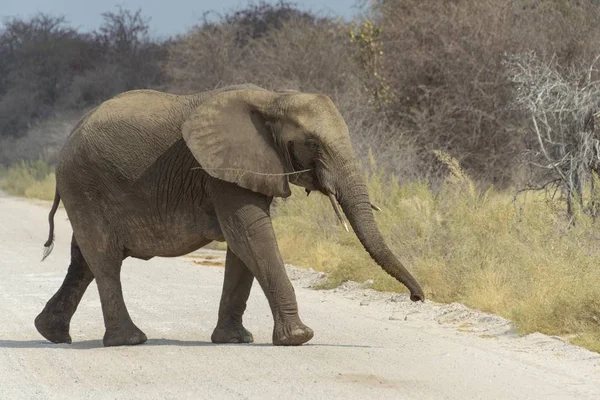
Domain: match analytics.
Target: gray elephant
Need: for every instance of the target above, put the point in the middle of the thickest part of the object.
(149, 174)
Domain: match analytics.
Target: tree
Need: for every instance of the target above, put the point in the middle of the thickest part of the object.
(38, 58)
(46, 66)
(562, 107)
(124, 42)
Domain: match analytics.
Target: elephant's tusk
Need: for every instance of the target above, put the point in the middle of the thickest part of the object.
(336, 208)
(374, 207)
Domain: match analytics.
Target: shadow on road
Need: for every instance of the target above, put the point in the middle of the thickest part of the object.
(92, 344)
(41, 344)
(95, 344)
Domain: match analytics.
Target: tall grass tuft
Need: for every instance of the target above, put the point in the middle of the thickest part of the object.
(519, 258)
(29, 179)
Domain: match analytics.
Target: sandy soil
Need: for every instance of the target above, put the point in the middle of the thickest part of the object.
(366, 344)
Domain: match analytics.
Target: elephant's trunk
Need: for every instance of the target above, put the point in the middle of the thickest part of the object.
(351, 192)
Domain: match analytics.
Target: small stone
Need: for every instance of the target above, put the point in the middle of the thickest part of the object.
(365, 302)
(398, 318)
(367, 283)
(397, 298)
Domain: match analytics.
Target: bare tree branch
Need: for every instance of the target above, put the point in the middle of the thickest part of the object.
(562, 106)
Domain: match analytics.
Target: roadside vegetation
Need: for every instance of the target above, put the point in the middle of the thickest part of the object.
(518, 257)
(476, 122)
(29, 179)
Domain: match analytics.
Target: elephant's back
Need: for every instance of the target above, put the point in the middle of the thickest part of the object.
(136, 116)
(128, 133)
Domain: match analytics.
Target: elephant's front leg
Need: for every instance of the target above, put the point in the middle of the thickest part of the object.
(246, 223)
(236, 289)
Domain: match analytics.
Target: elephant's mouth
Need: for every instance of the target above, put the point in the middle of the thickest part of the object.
(307, 179)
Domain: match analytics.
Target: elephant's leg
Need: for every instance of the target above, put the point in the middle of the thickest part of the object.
(54, 320)
(246, 223)
(105, 264)
(236, 289)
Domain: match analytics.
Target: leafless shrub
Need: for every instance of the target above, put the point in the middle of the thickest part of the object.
(47, 66)
(203, 59)
(374, 134)
(561, 106)
(298, 53)
(42, 141)
(93, 85)
(123, 42)
(443, 62)
(257, 19)
(36, 59)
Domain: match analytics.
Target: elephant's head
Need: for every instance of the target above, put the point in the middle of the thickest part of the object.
(260, 140)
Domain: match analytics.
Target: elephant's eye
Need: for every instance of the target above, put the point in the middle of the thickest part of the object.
(312, 145)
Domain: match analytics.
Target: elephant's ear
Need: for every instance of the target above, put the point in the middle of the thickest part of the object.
(229, 136)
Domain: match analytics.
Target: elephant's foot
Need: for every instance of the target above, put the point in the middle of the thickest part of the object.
(53, 327)
(291, 334)
(237, 334)
(124, 337)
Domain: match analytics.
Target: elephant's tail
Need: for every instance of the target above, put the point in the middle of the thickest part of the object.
(49, 245)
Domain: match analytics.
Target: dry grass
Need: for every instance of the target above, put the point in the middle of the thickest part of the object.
(29, 179)
(517, 258)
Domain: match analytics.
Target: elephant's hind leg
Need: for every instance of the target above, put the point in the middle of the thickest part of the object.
(105, 263)
(54, 320)
(236, 289)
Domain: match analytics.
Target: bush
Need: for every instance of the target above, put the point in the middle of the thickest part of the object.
(443, 65)
(46, 65)
(283, 48)
(43, 140)
(37, 58)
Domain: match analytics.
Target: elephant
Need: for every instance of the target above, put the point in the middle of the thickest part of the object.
(151, 174)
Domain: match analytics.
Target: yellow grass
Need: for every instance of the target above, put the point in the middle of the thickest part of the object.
(29, 179)
(519, 259)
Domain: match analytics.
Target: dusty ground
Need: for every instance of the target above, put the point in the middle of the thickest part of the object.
(366, 344)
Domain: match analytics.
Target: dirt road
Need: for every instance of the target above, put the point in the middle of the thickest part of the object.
(365, 345)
